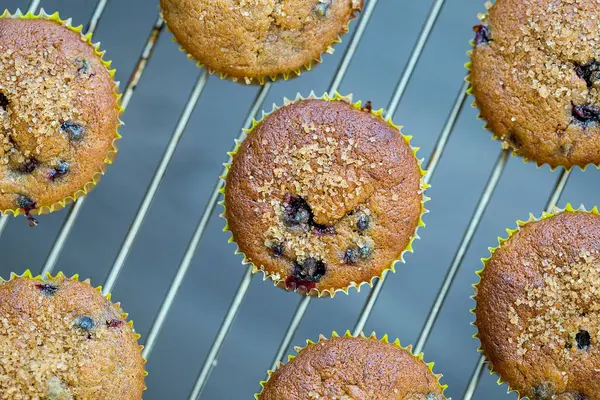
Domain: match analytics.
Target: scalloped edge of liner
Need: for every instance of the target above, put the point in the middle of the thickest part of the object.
(468, 65)
(275, 277)
(520, 224)
(373, 336)
(112, 152)
(260, 80)
(60, 275)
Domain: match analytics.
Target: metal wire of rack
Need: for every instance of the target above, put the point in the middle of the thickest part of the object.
(303, 304)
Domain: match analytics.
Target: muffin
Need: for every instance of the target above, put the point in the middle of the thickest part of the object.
(538, 307)
(535, 75)
(60, 339)
(59, 114)
(323, 195)
(256, 39)
(353, 368)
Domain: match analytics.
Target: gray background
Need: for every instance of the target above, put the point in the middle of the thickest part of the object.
(215, 272)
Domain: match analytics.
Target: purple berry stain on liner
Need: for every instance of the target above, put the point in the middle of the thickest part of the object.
(26, 204)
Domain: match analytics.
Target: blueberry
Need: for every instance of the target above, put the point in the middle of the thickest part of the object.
(543, 391)
(589, 72)
(586, 114)
(580, 396)
(482, 34)
(309, 270)
(583, 340)
(352, 255)
(85, 323)
(75, 131)
(362, 223)
(114, 323)
(47, 289)
(297, 211)
(29, 166)
(60, 170)
(26, 203)
(82, 65)
(276, 249)
(322, 7)
(366, 251)
(3, 102)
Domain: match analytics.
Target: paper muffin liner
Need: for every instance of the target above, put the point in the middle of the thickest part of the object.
(260, 80)
(60, 275)
(112, 152)
(520, 224)
(373, 336)
(482, 17)
(275, 277)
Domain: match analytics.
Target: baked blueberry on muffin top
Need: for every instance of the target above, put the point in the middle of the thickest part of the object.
(538, 308)
(58, 114)
(535, 75)
(322, 195)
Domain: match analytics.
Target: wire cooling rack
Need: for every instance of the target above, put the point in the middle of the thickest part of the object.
(432, 165)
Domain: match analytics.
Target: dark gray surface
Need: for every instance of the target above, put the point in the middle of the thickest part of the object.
(215, 272)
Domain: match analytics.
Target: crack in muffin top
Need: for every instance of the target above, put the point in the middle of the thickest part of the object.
(535, 75)
(538, 308)
(321, 194)
(58, 113)
(60, 339)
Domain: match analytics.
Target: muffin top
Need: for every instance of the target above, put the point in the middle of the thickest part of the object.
(258, 38)
(353, 368)
(538, 308)
(535, 76)
(58, 113)
(322, 195)
(60, 339)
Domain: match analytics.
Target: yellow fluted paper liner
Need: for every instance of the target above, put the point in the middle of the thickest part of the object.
(61, 276)
(385, 339)
(110, 156)
(277, 279)
(520, 224)
(262, 79)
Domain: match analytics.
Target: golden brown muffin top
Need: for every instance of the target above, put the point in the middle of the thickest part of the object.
(321, 194)
(353, 368)
(58, 113)
(60, 339)
(538, 308)
(536, 77)
(257, 38)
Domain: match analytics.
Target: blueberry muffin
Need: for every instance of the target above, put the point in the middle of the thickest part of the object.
(60, 339)
(538, 308)
(353, 368)
(58, 115)
(535, 75)
(256, 39)
(323, 195)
